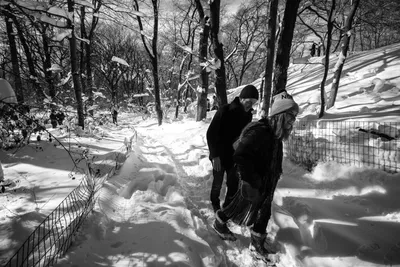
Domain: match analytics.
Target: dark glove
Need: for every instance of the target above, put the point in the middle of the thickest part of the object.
(248, 192)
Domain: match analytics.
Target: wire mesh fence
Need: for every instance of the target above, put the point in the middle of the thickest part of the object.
(52, 238)
(358, 143)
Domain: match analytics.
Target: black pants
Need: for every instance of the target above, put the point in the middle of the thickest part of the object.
(114, 117)
(231, 185)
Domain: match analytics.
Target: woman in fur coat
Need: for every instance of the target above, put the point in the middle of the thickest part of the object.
(258, 165)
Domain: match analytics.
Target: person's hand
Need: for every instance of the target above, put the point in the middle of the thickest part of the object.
(216, 164)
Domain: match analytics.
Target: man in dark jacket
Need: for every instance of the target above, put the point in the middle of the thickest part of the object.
(258, 167)
(223, 131)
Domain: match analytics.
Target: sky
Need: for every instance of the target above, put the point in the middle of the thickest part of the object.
(232, 5)
(155, 210)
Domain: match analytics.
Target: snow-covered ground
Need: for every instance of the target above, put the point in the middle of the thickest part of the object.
(155, 211)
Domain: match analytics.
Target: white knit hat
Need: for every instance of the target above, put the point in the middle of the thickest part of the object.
(283, 102)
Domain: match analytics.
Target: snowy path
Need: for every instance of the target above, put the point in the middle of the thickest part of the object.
(142, 214)
(188, 154)
(156, 212)
(194, 188)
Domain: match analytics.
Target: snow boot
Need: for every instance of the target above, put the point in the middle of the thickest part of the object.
(262, 248)
(222, 229)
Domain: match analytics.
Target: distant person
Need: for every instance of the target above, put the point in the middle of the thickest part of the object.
(208, 104)
(60, 116)
(53, 118)
(114, 113)
(258, 167)
(224, 129)
(1, 173)
(312, 49)
(214, 103)
(319, 49)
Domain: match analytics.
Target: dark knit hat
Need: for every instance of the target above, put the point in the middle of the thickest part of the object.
(249, 91)
(283, 102)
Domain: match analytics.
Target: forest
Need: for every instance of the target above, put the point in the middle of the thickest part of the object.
(81, 57)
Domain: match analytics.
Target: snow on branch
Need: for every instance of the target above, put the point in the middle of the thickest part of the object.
(180, 85)
(212, 64)
(55, 68)
(147, 36)
(231, 53)
(98, 94)
(59, 12)
(185, 48)
(340, 61)
(193, 77)
(32, 5)
(53, 21)
(138, 13)
(84, 3)
(200, 89)
(65, 80)
(140, 95)
(65, 33)
(82, 39)
(119, 60)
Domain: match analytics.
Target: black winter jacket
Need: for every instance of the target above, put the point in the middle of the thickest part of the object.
(225, 129)
(258, 156)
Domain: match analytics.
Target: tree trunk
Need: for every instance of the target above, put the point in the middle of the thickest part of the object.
(153, 56)
(180, 88)
(74, 69)
(89, 78)
(186, 97)
(82, 52)
(202, 99)
(269, 66)
(113, 94)
(48, 74)
(14, 61)
(284, 46)
(260, 110)
(154, 62)
(29, 60)
(327, 54)
(178, 101)
(361, 36)
(89, 71)
(343, 54)
(220, 79)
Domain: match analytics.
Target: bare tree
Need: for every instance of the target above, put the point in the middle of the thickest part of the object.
(86, 50)
(74, 68)
(377, 24)
(343, 54)
(247, 39)
(326, 60)
(16, 76)
(269, 66)
(112, 41)
(33, 77)
(203, 45)
(284, 46)
(153, 55)
(220, 79)
(182, 38)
